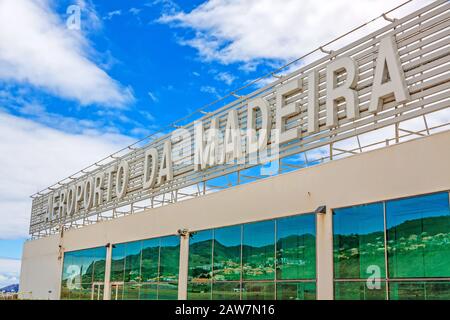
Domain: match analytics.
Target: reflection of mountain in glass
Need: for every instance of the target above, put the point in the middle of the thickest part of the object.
(416, 248)
(295, 259)
(132, 269)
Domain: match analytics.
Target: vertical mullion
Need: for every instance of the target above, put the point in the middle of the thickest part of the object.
(159, 269)
(124, 268)
(241, 284)
(212, 262)
(275, 260)
(386, 265)
(316, 217)
(140, 271)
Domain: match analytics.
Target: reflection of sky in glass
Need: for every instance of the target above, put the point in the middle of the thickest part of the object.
(299, 225)
(84, 259)
(229, 236)
(259, 234)
(201, 236)
(363, 219)
(133, 248)
(118, 251)
(151, 243)
(171, 241)
(223, 180)
(433, 205)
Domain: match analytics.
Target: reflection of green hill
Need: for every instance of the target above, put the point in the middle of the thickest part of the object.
(131, 264)
(433, 226)
(354, 240)
(202, 250)
(296, 257)
(97, 268)
(222, 252)
(416, 248)
(293, 241)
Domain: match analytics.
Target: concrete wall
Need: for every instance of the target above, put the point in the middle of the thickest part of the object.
(41, 269)
(411, 168)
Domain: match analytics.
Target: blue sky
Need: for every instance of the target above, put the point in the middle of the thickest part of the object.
(70, 97)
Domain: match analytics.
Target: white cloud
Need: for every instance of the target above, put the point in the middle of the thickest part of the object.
(209, 89)
(111, 14)
(35, 157)
(36, 48)
(134, 11)
(9, 272)
(247, 31)
(226, 77)
(153, 97)
(148, 116)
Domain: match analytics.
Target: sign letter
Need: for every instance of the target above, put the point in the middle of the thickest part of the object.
(165, 169)
(344, 91)
(389, 78)
(151, 157)
(286, 110)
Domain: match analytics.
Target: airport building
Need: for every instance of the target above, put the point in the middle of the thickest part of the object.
(332, 182)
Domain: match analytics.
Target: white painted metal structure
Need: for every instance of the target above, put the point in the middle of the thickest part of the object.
(423, 41)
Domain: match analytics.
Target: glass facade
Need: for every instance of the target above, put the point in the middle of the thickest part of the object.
(83, 274)
(274, 259)
(145, 270)
(398, 249)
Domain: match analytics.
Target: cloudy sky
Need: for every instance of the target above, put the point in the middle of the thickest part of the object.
(70, 96)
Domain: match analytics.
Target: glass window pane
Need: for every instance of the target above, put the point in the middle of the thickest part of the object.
(419, 236)
(200, 255)
(226, 290)
(168, 291)
(296, 291)
(133, 262)
(199, 290)
(359, 241)
(258, 291)
(65, 293)
(169, 259)
(150, 260)
(85, 293)
(71, 271)
(258, 254)
(116, 292)
(75, 293)
(79, 272)
(99, 264)
(227, 253)
(432, 290)
(67, 263)
(118, 262)
(85, 261)
(296, 247)
(358, 291)
(97, 292)
(131, 291)
(148, 291)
